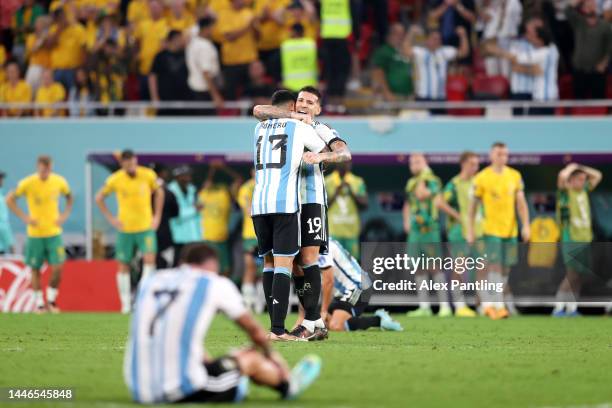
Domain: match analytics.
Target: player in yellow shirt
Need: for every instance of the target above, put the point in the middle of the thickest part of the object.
(67, 44)
(137, 219)
(216, 203)
(49, 92)
(499, 189)
(43, 191)
(238, 46)
(15, 90)
(249, 242)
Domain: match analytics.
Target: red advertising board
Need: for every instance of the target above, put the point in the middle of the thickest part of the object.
(86, 286)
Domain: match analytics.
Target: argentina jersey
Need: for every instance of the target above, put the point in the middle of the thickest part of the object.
(278, 148)
(313, 180)
(165, 350)
(521, 83)
(348, 275)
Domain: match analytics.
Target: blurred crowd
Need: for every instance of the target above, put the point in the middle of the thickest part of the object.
(226, 50)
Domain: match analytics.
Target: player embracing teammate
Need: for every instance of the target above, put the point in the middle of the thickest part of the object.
(310, 210)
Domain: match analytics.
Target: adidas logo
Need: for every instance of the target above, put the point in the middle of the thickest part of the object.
(318, 237)
(274, 302)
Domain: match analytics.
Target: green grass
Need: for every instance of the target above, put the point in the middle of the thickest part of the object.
(521, 362)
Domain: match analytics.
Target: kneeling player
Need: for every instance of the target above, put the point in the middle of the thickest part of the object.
(345, 313)
(165, 360)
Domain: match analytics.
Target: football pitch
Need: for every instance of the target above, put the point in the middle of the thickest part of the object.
(521, 362)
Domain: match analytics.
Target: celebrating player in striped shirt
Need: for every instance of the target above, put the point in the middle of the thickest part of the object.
(307, 278)
(279, 151)
(165, 359)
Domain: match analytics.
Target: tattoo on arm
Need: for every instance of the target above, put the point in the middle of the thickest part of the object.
(340, 153)
(265, 112)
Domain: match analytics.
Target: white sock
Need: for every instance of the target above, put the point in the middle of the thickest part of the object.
(51, 294)
(147, 270)
(248, 293)
(309, 324)
(496, 297)
(571, 307)
(123, 287)
(422, 295)
(458, 298)
(320, 323)
(439, 277)
(38, 299)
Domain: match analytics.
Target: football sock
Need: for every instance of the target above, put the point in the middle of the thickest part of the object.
(283, 388)
(268, 278)
(312, 292)
(439, 277)
(281, 286)
(147, 270)
(51, 294)
(298, 282)
(496, 297)
(362, 322)
(248, 293)
(422, 294)
(458, 298)
(123, 287)
(38, 299)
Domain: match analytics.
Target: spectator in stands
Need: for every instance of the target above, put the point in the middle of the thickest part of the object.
(347, 196)
(521, 84)
(49, 92)
(336, 28)
(23, 24)
(138, 11)
(67, 42)
(81, 94)
(89, 20)
(37, 55)
(392, 71)
(431, 62)
(451, 14)
(502, 19)
(300, 12)
(299, 60)
(270, 16)
(6, 234)
(238, 47)
(168, 76)
(149, 35)
(179, 17)
(203, 65)
(109, 30)
(541, 64)
(2, 62)
(260, 88)
(15, 90)
(108, 71)
(593, 39)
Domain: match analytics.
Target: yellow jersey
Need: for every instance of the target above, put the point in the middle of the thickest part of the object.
(2, 61)
(137, 11)
(217, 7)
(50, 94)
(217, 203)
(311, 29)
(245, 196)
(41, 57)
(151, 35)
(183, 23)
(270, 32)
(497, 191)
(43, 203)
(133, 197)
(242, 50)
(68, 52)
(20, 93)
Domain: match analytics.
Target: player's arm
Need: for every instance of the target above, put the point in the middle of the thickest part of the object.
(523, 212)
(256, 333)
(11, 202)
(472, 209)
(67, 209)
(265, 112)
(422, 191)
(406, 215)
(158, 207)
(464, 42)
(594, 176)
(327, 289)
(100, 197)
(441, 203)
(564, 175)
(339, 153)
(408, 43)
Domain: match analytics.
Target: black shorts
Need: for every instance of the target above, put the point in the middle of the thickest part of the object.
(277, 233)
(314, 226)
(223, 382)
(355, 310)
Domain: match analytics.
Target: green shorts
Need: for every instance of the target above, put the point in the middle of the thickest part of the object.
(249, 245)
(223, 253)
(576, 255)
(501, 251)
(350, 244)
(426, 243)
(128, 242)
(39, 250)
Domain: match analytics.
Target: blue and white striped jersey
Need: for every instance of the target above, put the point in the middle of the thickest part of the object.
(545, 86)
(165, 350)
(349, 279)
(279, 146)
(313, 180)
(431, 71)
(521, 83)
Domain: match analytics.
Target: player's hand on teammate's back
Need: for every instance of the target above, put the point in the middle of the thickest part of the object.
(116, 223)
(307, 119)
(311, 158)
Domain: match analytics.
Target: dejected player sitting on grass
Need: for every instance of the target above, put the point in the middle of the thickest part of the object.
(344, 278)
(165, 359)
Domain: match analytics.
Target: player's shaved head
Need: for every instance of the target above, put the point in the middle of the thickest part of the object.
(284, 99)
(418, 163)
